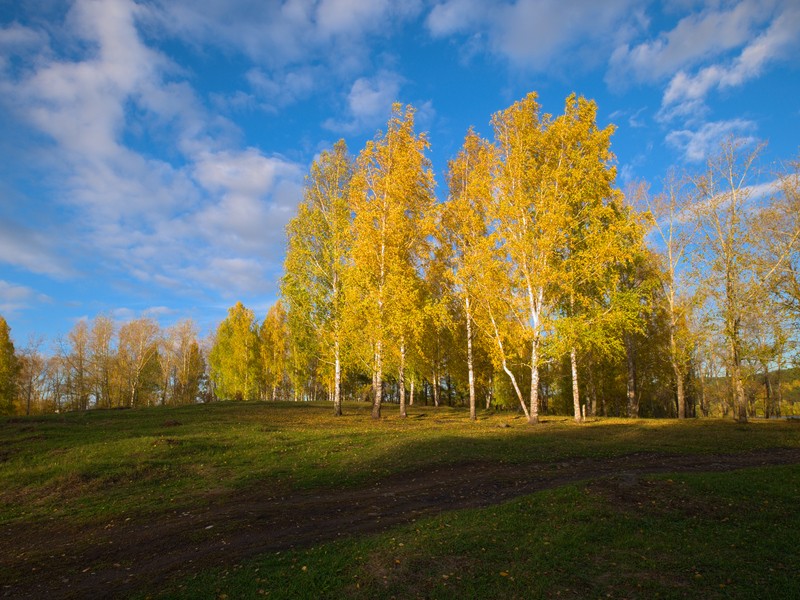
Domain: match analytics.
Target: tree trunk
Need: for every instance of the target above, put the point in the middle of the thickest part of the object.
(337, 381)
(435, 384)
(533, 415)
(376, 405)
(576, 399)
(449, 389)
(402, 379)
(768, 391)
(740, 402)
(676, 368)
(472, 411)
(778, 391)
(703, 401)
(411, 394)
(633, 401)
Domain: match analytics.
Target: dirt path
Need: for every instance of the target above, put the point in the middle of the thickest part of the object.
(118, 559)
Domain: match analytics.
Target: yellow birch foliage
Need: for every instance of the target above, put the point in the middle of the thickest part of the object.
(392, 200)
(464, 230)
(529, 225)
(318, 247)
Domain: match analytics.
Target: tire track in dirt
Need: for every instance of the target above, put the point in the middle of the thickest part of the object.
(118, 559)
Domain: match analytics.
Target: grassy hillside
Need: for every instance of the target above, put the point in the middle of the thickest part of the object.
(622, 534)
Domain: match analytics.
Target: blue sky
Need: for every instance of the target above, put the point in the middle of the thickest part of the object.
(152, 152)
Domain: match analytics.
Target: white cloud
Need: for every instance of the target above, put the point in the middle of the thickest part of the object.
(369, 103)
(534, 33)
(233, 275)
(286, 86)
(139, 215)
(721, 46)
(279, 33)
(32, 250)
(257, 196)
(699, 144)
(686, 92)
(14, 297)
(695, 38)
(455, 16)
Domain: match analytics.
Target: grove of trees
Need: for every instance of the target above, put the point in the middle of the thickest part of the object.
(102, 365)
(535, 285)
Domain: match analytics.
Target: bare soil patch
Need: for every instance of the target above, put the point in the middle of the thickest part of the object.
(117, 559)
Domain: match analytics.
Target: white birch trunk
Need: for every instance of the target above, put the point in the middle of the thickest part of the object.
(402, 379)
(472, 411)
(337, 381)
(576, 399)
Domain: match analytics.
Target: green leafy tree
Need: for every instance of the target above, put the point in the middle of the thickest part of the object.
(274, 350)
(234, 356)
(9, 368)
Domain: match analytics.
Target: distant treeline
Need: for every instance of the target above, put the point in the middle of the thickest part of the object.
(102, 365)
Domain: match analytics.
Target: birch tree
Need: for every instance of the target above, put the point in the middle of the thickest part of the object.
(726, 260)
(675, 233)
(465, 230)
(318, 247)
(600, 238)
(77, 361)
(189, 362)
(102, 359)
(137, 354)
(778, 236)
(392, 200)
(530, 221)
(32, 373)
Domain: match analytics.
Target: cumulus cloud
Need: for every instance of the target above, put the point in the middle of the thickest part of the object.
(14, 298)
(696, 37)
(687, 91)
(93, 88)
(697, 145)
(32, 250)
(369, 103)
(534, 33)
(257, 196)
(285, 32)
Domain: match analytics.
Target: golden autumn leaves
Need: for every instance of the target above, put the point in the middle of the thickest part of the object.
(522, 260)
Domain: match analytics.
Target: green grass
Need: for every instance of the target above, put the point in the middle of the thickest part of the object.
(717, 535)
(725, 535)
(86, 467)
